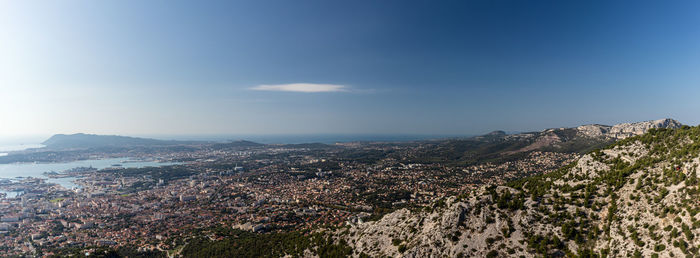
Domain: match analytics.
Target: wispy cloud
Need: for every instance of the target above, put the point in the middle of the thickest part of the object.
(303, 87)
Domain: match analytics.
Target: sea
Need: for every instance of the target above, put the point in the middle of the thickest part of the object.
(18, 143)
(17, 171)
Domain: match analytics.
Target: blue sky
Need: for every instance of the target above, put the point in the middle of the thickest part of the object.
(350, 67)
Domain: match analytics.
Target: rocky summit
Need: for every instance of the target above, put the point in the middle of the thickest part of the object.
(624, 130)
(639, 197)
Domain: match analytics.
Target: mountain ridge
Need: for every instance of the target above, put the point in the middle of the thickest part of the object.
(498, 146)
(602, 134)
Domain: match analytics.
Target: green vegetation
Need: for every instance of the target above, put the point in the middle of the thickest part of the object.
(101, 251)
(543, 244)
(238, 243)
(56, 200)
(492, 254)
(538, 185)
(506, 200)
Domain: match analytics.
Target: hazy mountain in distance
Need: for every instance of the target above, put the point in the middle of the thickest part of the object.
(85, 141)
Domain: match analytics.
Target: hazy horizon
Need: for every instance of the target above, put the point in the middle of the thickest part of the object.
(10, 143)
(16, 140)
(316, 67)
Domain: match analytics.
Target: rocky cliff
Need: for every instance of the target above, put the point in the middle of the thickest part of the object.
(624, 130)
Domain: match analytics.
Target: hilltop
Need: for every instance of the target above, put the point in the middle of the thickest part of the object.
(635, 198)
(82, 141)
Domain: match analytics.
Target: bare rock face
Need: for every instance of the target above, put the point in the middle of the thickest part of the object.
(624, 130)
(621, 131)
(593, 130)
(467, 227)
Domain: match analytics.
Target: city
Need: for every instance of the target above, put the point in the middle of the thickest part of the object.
(258, 189)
